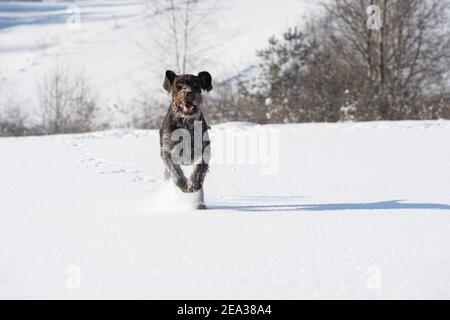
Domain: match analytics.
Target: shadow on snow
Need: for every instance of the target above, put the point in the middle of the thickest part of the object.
(384, 205)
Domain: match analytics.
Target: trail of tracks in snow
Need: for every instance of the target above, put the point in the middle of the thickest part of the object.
(88, 159)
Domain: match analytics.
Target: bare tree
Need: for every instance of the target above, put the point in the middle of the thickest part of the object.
(66, 101)
(181, 31)
(341, 67)
(13, 122)
(406, 58)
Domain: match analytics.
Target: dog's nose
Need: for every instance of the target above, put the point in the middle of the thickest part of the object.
(190, 94)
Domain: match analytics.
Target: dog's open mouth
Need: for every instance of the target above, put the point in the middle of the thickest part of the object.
(189, 107)
(188, 103)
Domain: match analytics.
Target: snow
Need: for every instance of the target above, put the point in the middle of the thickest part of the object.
(353, 211)
(110, 45)
(349, 210)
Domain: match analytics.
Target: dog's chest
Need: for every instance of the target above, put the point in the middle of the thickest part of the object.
(187, 140)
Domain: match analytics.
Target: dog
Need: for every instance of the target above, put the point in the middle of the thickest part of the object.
(184, 136)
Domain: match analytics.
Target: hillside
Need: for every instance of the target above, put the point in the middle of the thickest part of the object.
(114, 43)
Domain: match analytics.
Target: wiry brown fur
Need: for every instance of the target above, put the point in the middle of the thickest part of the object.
(184, 112)
(178, 104)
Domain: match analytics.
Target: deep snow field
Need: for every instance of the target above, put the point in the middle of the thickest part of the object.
(294, 211)
(327, 211)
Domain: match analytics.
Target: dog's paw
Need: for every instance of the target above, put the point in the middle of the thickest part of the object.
(201, 206)
(182, 184)
(194, 186)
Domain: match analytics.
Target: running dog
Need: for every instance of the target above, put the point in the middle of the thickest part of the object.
(184, 133)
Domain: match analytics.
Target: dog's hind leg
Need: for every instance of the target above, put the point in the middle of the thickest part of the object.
(200, 205)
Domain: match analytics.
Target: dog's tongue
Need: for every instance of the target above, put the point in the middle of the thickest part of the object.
(188, 105)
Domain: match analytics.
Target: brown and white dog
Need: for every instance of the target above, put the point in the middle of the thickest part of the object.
(185, 121)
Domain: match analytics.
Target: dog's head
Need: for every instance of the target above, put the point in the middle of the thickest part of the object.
(186, 91)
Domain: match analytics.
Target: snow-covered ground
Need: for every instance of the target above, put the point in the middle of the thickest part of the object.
(328, 211)
(112, 41)
(295, 211)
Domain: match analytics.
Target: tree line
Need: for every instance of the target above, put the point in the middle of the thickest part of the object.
(362, 60)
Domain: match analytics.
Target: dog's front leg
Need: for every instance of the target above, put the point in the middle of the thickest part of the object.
(174, 171)
(195, 183)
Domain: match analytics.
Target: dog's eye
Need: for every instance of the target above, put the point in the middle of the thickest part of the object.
(179, 86)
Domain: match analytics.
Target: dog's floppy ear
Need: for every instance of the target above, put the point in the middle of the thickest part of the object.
(168, 81)
(205, 80)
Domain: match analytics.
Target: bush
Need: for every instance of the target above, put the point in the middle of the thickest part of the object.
(340, 70)
(12, 123)
(148, 115)
(66, 101)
